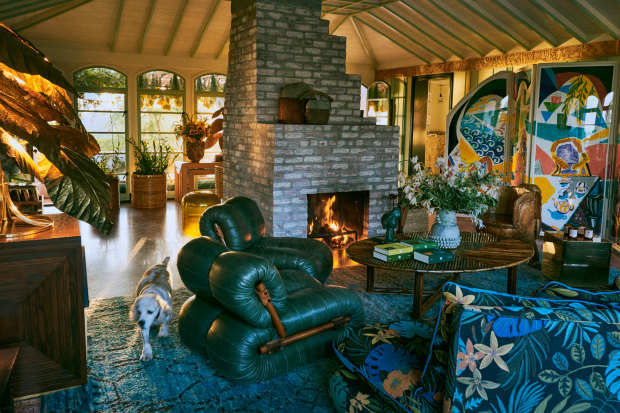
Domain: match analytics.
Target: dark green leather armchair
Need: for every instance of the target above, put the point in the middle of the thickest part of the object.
(227, 320)
(242, 228)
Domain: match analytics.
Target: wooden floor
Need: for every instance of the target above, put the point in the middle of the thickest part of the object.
(140, 238)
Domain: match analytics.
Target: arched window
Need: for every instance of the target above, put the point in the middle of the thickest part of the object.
(161, 99)
(209, 92)
(363, 99)
(378, 102)
(102, 107)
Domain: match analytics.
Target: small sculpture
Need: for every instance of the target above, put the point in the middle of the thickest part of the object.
(390, 221)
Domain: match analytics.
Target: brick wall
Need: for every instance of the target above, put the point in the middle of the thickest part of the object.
(274, 43)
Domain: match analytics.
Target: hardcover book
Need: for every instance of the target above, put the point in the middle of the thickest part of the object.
(420, 243)
(392, 258)
(394, 248)
(433, 255)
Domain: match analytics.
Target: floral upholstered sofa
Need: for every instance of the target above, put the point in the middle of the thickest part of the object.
(488, 352)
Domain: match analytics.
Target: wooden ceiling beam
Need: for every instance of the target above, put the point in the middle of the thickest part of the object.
(462, 21)
(14, 8)
(439, 42)
(439, 25)
(598, 17)
(371, 7)
(550, 55)
(396, 42)
(149, 16)
(337, 9)
(344, 19)
(117, 26)
(411, 39)
(364, 44)
(176, 27)
(48, 14)
(499, 24)
(556, 15)
(221, 50)
(205, 26)
(526, 20)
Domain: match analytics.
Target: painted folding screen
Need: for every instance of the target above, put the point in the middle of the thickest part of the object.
(478, 124)
(573, 123)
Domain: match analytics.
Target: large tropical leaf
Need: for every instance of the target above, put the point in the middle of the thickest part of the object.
(14, 156)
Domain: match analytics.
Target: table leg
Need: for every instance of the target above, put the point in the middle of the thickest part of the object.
(370, 278)
(417, 295)
(512, 280)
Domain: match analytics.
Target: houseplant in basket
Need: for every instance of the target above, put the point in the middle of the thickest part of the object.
(199, 135)
(465, 188)
(148, 182)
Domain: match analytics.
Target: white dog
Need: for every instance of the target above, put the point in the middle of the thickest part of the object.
(153, 305)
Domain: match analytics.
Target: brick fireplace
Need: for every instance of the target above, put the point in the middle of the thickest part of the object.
(274, 43)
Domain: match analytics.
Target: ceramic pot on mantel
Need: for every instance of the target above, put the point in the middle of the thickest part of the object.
(195, 150)
(445, 232)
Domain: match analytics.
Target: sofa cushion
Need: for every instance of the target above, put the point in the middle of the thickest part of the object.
(510, 359)
(390, 358)
(556, 290)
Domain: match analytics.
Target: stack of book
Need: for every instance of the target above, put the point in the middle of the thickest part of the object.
(402, 250)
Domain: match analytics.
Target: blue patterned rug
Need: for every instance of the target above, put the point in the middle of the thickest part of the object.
(178, 380)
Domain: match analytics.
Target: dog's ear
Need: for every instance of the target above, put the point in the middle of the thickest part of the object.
(133, 314)
(166, 310)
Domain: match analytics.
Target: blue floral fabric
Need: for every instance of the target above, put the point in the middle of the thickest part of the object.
(534, 359)
(556, 290)
(389, 359)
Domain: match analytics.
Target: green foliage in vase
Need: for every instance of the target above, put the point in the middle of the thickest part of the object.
(153, 161)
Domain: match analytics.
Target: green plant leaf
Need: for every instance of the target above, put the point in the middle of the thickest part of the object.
(565, 385)
(579, 407)
(543, 405)
(558, 408)
(549, 376)
(578, 353)
(15, 156)
(597, 346)
(597, 381)
(614, 338)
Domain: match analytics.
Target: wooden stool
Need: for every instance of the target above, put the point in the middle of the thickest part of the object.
(192, 207)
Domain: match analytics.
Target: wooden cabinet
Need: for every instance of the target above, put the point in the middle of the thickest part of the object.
(577, 262)
(42, 307)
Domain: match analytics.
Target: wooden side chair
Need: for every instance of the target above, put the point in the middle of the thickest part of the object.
(517, 216)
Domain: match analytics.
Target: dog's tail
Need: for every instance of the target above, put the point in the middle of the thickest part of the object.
(165, 261)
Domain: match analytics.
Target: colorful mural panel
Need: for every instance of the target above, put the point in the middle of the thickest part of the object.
(477, 125)
(571, 136)
(523, 129)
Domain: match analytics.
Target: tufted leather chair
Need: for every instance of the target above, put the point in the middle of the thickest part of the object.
(239, 224)
(226, 319)
(517, 216)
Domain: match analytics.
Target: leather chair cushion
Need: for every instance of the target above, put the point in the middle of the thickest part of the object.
(240, 220)
(194, 263)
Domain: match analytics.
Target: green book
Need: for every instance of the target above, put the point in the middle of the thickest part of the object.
(392, 258)
(394, 248)
(420, 243)
(433, 255)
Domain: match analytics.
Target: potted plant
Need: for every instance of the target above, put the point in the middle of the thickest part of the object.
(148, 181)
(111, 164)
(199, 135)
(465, 188)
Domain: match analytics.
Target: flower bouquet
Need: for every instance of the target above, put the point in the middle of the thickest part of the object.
(465, 188)
(198, 135)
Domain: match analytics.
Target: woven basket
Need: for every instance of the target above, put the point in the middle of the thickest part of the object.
(219, 181)
(148, 191)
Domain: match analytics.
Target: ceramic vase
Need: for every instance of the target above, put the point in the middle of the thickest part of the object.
(444, 231)
(195, 150)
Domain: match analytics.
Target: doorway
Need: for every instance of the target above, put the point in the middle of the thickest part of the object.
(432, 100)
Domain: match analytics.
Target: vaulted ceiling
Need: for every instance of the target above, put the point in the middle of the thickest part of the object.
(380, 33)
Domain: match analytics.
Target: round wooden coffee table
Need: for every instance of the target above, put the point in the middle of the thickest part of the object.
(477, 252)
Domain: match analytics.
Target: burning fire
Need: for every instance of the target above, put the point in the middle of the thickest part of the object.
(328, 229)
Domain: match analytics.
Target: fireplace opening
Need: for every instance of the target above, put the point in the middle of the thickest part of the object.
(338, 219)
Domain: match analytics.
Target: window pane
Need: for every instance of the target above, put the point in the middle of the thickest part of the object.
(170, 139)
(208, 105)
(109, 142)
(211, 83)
(159, 122)
(161, 103)
(102, 101)
(161, 80)
(103, 121)
(99, 77)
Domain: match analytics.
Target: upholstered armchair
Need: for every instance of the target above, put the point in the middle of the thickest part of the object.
(251, 336)
(239, 224)
(517, 216)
